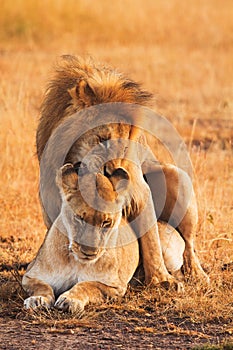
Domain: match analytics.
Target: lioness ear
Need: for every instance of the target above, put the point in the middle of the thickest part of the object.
(67, 178)
(120, 179)
(83, 93)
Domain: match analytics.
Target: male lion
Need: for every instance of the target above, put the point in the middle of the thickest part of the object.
(116, 144)
(84, 258)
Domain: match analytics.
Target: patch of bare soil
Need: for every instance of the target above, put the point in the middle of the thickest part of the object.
(135, 322)
(113, 330)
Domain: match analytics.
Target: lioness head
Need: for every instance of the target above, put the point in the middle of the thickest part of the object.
(91, 210)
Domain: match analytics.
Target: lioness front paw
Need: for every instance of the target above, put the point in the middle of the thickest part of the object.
(72, 305)
(37, 301)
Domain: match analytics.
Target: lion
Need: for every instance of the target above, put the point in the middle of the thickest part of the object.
(115, 145)
(85, 257)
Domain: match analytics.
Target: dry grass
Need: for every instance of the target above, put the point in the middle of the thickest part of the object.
(183, 53)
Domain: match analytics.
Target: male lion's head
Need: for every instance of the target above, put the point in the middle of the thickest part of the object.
(91, 210)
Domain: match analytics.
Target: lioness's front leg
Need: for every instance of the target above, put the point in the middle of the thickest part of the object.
(83, 293)
(42, 272)
(41, 293)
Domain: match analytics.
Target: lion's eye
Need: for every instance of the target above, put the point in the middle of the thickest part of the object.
(106, 223)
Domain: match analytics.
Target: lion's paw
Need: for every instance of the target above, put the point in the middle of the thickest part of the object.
(173, 285)
(72, 305)
(169, 283)
(38, 301)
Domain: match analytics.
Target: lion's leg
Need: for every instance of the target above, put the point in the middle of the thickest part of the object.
(188, 229)
(75, 299)
(184, 210)
(146, 227)
(172, 245)
(175, 203)
(143, 220)
(153, 262)
(41, 293)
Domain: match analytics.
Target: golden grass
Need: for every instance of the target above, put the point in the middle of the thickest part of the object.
(183, 53)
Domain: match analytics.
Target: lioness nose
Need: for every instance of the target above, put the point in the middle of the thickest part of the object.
(89, 250)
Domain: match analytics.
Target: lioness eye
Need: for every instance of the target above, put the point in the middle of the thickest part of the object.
(78, 218)
(106, 223)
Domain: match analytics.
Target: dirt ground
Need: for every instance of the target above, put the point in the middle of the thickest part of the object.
(114, 331)
(143, 319)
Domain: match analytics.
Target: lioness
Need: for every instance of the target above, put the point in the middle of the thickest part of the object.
(83, 258)
(77, 86)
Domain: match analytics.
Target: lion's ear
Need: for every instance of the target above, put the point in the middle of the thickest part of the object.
(67, 178)
(83, 93)
(120, 179)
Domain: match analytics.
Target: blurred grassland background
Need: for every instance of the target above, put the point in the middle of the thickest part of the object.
(182, 51)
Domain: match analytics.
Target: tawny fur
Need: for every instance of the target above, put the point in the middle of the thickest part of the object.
(78, 84)
(70, 275)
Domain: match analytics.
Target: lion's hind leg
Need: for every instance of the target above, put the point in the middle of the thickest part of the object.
(188, 228)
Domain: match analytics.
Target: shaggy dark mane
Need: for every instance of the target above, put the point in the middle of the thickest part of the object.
(102, 85)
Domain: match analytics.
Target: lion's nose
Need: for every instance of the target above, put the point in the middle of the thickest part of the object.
(89, 251)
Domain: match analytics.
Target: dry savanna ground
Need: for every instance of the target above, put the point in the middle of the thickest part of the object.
(182, 51)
